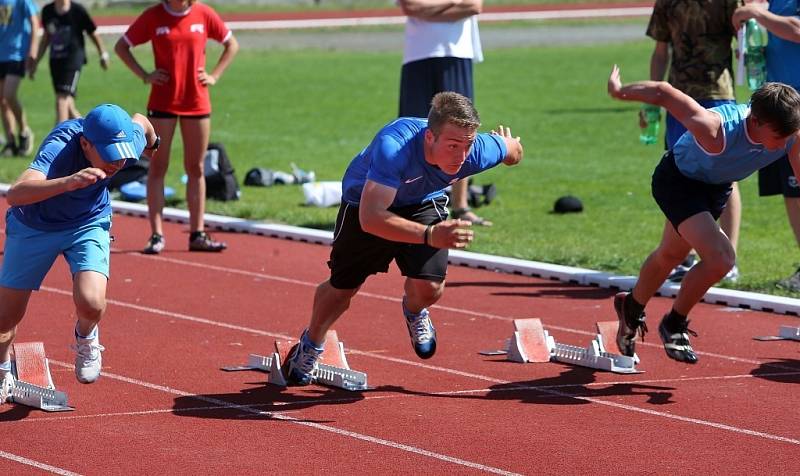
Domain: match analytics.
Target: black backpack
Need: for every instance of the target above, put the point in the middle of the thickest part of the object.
(221, 183)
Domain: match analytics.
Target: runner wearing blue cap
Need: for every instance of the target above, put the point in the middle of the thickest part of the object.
(60, 205)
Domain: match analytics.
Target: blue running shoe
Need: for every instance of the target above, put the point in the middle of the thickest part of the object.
(302, 361)
(423, 335)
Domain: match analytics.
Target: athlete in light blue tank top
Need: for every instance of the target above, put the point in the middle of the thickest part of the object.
(691, 185)
(739, 158)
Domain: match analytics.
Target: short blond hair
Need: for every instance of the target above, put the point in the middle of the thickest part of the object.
(453, 108)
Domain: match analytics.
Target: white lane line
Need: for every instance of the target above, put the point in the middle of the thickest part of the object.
(36, 464)
(467, 312)
(442, 369)
(318, 426)
(330, 401)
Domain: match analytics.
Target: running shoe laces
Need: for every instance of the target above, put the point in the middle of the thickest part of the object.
(421, 327)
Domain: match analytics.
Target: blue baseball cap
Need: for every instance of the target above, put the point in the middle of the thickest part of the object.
(110, 130)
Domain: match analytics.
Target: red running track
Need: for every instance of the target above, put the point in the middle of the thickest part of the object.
(164, 407)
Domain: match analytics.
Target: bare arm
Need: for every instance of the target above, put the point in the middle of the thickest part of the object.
(231, 47)
(787, 28)
(659, 61)
(123, 50)
(702, 123)
(375, 218)
(513, 145)
(101, 50)
(441, 10)
(33, 187)
(43, 46)
(33, 49)
(149, 133)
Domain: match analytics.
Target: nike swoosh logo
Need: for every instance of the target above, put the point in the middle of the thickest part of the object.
(413, 179)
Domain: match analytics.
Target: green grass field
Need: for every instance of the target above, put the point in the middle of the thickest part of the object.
(318, 108)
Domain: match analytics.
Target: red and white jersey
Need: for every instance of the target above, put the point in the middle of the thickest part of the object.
(179, 47)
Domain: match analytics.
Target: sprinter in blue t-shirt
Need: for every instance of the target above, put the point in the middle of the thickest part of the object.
(60, 206)
(394, 208)
(691, 185)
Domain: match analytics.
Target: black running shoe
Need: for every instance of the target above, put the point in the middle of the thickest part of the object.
(203, 242)
(676, 341)
(155, 245)
(25, 142)
(627, 330)
(9, 150)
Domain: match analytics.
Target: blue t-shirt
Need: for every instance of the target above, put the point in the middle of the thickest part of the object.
(783, 56)
(739, 158)
(15, 28)
(396, 159)
(61, 155)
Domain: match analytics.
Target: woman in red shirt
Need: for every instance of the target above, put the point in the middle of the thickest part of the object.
(178, 31)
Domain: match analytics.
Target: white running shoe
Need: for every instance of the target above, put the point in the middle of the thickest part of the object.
(6, 385)
(88, 360)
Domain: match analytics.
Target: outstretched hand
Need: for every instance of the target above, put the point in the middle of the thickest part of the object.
(85, 177)
(614, 82)
(451, 234)
(504, 131)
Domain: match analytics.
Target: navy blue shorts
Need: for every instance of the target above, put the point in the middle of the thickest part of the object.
(421, 80)
(778, 178)
(680, 197)
(65, 78)
(357, 254)
(12, 68)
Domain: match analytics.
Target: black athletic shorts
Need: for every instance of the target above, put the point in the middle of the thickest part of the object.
(65, 78)
(421, 80)
(680, 197)
(169, 115)
(13, 68)
(778, 178)
(357, 254)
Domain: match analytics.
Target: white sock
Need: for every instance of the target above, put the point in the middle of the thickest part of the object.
(92, 335)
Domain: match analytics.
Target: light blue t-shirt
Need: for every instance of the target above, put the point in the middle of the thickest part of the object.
(396, 159)
(739, 158)
(15, 28)
(783, 56)
(61, 155)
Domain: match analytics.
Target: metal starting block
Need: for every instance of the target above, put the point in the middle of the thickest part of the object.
(532, 343)
(33, 384)
(332, 369)
(784, 333)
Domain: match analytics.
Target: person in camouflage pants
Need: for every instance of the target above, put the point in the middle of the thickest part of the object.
(694, 38)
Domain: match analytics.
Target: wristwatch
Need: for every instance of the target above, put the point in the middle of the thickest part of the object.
(155, 145)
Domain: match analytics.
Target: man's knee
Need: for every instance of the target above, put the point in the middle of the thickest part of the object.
(90, 306)
(427, 290)
(720, 261)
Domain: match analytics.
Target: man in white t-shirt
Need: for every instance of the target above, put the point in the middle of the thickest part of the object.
(441, 44)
